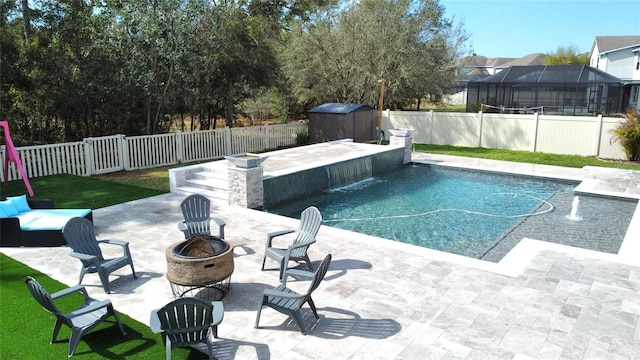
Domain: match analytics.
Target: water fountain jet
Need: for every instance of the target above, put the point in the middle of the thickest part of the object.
(574, 209)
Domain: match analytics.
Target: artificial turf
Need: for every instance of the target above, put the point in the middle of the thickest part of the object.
(72, 191)
(25, 327)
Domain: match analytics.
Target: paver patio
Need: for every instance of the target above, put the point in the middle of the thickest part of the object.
(387, 300)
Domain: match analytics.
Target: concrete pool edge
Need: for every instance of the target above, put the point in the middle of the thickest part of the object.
(591, 182)
(513, 264)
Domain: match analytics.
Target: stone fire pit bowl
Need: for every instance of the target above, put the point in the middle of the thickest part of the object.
(203, 261)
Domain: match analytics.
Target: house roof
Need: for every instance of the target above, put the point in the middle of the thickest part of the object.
(339, 108)
(531, 59)
(611, 43)
(551, 74)
(483, 61)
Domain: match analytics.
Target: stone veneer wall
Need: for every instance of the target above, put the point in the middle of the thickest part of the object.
(407, 142)
(246, 187)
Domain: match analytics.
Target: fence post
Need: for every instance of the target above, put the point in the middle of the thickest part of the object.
(481, 115)
(227, 140)
(179, 146)
(89, 167)
(266, 136)
(432, 118)
(600, 119)
(536, 118)
(123, 152)
(386, 119)
(3, 158)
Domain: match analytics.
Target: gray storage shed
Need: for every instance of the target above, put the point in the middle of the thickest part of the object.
(335, 121)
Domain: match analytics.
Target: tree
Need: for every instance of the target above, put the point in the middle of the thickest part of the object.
(244, 57)
(345, 50)
(148, 37)
(567, 55)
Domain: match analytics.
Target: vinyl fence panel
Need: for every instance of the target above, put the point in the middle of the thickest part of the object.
(575, 135)
(511, 132)
(67, 158)
(458, 129)
(203, 145)
(569, 135)
(105, 154)
(150, 151)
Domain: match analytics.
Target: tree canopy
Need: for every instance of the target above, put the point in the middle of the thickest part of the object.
(567, 55)
(79, 68)
(343, 54)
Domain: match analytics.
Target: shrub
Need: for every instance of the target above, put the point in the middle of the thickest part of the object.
(475, 107)
(628, 133)
(302, 138)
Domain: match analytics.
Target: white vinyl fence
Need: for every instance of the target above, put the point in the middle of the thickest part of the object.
(569, 135)
(107, 154)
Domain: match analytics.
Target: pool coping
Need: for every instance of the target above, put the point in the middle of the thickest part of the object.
(592, 181)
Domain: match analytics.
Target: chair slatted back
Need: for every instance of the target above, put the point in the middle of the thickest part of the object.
(196, 210)
(320, 273)
(42, 296)
(186, 320)
(310, 221)
(80, 236)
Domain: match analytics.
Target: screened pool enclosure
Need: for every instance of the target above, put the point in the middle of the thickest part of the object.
(547, 89)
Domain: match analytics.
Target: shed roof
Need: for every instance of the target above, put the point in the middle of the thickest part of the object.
(339, 108)
(550, 74)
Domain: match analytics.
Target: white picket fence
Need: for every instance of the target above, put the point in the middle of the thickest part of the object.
(107, 154)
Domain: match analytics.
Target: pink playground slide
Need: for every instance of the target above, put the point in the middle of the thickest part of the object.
(12, 156)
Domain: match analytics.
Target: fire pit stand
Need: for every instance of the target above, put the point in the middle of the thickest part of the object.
(201, 267)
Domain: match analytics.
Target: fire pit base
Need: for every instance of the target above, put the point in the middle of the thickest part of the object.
(211, 292)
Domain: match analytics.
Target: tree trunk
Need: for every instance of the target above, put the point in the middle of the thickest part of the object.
(229, 106)
(26, 20)
(148, 111)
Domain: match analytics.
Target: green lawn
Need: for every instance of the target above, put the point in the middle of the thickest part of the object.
(26, 327)
(574, 161)
(70, 191)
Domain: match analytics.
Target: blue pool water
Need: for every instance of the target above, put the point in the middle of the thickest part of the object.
(457, 211)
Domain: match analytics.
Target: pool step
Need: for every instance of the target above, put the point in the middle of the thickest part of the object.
(210, 181)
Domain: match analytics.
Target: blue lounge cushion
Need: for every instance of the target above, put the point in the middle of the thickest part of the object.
(8, 209)
(20, 202)
(49, 219)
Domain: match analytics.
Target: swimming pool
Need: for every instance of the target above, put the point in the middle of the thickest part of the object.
(464, 212)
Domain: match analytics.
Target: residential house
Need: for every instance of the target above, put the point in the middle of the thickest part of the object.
(548, 89)
(620, 56)
(474, 68)
(616, 56)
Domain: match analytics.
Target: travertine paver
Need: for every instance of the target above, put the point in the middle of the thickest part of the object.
(382, 299)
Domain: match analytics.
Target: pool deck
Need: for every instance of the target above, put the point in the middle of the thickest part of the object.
(388, 300)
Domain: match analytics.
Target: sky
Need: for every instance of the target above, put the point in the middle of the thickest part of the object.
(516, 28)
